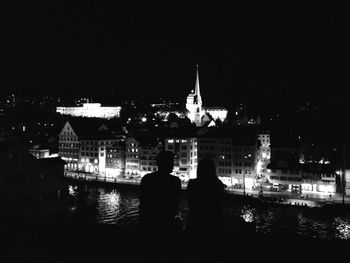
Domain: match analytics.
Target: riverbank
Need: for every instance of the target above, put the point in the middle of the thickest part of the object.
(310, 200)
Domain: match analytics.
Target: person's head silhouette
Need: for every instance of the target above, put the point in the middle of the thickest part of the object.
(206, 169)
(165, 162)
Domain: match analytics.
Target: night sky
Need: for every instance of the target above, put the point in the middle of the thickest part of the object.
(262, 52)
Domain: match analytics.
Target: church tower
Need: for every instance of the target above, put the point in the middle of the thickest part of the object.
(194, 103)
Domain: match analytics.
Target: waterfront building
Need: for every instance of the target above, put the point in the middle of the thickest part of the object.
(150, 147)
(263, 138)
(284, 175)
(263, 155)
(92, 157)
(115, 159)
(234, 153)
(69, 146)
(132, 158)
(79, 141)
(284, 172)
(184, 146)
(195, 107)
(141, 153)
(318, 178)
(90, 110)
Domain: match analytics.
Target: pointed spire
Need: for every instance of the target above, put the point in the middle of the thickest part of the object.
(196, 89)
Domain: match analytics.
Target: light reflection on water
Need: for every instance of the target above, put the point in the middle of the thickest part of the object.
(108, 206)
(120, 207)
(247, 214)
(343, 228)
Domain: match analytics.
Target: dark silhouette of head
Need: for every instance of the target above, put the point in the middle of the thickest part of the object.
(206, 169)
(165, 161)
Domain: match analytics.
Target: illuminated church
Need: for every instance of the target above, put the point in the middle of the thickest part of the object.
(197, 113)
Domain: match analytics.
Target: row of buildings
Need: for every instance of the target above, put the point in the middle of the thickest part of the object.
(244, 157)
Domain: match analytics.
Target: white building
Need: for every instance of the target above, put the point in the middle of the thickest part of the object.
(196, 110)
(90, 110)
(40, 153)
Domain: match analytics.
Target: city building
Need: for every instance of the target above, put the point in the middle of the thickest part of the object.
(184, 147)
(92, 157)
(263, 138)
(234, 152)
(150, 147)
(115, 159)
(90, 110)
(141, 153)
(318, 178)
(132, 158)
(284, 175)
(69, 146)
(284, 171)
(195, 107)
(287, 172)
(264, 152)
(41, 152)
(69, 140)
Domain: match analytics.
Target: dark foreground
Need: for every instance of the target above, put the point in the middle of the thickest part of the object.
(67, 241)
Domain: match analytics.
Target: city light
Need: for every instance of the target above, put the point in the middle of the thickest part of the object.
(90, 110)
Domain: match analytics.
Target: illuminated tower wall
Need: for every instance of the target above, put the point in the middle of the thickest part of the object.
(194, 104)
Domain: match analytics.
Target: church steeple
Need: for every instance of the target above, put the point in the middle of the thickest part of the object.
(194, 103)
(196, 89)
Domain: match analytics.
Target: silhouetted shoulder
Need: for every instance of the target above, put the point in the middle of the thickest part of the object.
(149, 176)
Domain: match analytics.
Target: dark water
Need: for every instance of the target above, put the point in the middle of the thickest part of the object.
(120, 207)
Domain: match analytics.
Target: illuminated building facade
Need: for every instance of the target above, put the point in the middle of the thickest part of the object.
(132, 159)
(185, 155)
(82, 145)
(234, 154)
(141, 152)
(69, 146)
(318, 178)
(285, 172)
(149, 152)
(92, 158)
(195, 107)
(91, 110)
(264, 139)
(115, 159)
(41, 153)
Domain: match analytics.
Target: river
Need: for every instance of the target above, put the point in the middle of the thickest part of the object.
(119, 206)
